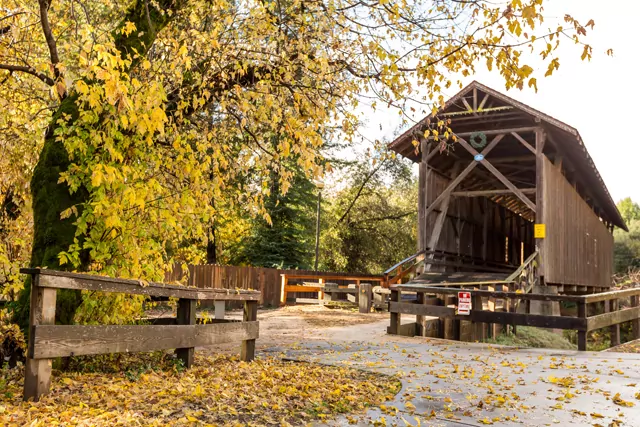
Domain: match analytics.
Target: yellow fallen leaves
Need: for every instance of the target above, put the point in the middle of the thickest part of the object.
(216, 391)
(562, 381)
(620, 402)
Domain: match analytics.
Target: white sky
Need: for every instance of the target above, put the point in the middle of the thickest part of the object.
(599, 98)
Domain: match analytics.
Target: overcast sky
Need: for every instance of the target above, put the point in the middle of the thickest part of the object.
(600, 98)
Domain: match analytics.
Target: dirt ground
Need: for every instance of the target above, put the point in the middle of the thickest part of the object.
(292, 324)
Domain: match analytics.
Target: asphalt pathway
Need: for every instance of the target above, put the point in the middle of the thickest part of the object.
(447, 383)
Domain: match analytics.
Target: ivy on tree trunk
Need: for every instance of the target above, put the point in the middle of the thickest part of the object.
(52, 234)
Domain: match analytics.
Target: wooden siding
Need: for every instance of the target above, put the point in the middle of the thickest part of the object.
(578, 248)
(462, 232)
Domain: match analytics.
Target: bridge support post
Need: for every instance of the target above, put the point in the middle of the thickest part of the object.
(546, 308)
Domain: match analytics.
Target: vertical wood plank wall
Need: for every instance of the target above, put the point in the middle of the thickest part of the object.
(578, 247)
(465, 215)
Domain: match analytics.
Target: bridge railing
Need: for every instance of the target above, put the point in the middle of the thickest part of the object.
(583, 323)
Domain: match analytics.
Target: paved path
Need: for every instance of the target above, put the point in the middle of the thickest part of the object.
(458, 384)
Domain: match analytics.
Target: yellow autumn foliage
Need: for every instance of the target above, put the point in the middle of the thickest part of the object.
(163, 106)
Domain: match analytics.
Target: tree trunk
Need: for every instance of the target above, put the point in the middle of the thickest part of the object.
(52, 234)
(211, 246)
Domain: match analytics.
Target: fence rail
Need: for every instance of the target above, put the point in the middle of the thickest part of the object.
(266, 280)
(319, 286)
(48, 341)
(582, 323)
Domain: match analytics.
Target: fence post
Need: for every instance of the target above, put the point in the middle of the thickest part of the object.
(219, 309)
(328, 294)
(582, 335)
(248, 350)
(321, 291)
(420, 320)
(614, 330)
(186, 316)
(37, 376)
(635, 323)
(283, 290)
(395, 317)
(478, 327)
(365, 298)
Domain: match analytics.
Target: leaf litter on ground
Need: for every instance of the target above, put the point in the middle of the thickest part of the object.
(216, 391)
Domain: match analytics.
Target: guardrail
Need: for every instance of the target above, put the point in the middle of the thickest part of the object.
(582, 323)
(48, 341)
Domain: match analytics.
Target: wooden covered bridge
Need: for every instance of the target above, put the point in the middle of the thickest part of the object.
(508, 196)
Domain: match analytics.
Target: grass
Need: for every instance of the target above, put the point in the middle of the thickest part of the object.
(535, 338)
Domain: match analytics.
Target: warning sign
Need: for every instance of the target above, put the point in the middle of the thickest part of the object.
(539, 231)
(464, 303)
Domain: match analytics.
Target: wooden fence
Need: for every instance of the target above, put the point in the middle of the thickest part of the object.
(266, 280)
(478, 317)
(48, 340)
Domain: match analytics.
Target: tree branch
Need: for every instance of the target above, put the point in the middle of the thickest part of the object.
(385, 218)
(29, 70)
(364, 183)
(48, 35)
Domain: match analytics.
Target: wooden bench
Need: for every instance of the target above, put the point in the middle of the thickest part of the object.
(48, 341)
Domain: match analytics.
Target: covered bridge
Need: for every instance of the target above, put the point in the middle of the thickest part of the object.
(513, 185)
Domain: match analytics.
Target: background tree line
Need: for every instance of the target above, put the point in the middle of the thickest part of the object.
(627, 245)
(367, 222)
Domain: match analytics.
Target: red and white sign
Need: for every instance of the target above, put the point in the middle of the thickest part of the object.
(464, 303)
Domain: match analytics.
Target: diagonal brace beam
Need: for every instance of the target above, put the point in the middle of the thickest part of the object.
(458, 179)
(499, 175)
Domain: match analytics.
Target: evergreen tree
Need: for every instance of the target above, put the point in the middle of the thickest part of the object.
(288, 241)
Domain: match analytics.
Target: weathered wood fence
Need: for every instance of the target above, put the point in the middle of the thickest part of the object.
(312, 282)
(266, 280)
(478, 318)
(48, 341)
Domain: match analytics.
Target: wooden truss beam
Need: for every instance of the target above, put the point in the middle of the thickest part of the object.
(458, 179)
(541, 137)
(484, 101)
(498, 131)
(498, 175)
(433, 152)
(491, 192)
(524, 142)
(440, 220)
(514, 159)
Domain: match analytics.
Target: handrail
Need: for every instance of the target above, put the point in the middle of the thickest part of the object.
(518, 272)
(586, 299)
(92, 282)
(404, 261)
